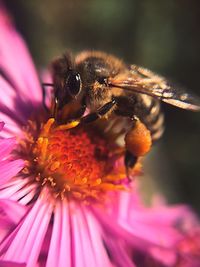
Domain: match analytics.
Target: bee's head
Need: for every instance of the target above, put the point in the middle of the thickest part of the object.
(72, 83)
(94, 71)
(67, 81)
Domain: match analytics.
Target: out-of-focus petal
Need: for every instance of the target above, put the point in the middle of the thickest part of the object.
(11, 264)
(12, 210)
(1, 125)
(10, 129)
(47, 78)
(10, 214)
(189, 248)
(9, 169)
(168, 257)
(16, 62)
(14, 110)
(118, 252)
(157, 226)
(12, 104)
(6, 146)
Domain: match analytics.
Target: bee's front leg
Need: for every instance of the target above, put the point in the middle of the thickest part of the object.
(91, 117)
(138, 142)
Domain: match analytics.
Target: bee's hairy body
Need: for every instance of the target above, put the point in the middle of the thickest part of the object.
(144, 107)
(126, 96)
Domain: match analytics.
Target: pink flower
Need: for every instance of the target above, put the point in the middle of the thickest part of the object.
(91, 219)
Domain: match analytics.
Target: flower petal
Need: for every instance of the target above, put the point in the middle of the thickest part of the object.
(10, 214)
(24, 244)
(16, 61)
(9, 169)
(118, 251)
(155, 225)
(6, 146)
(12, 104)
(26, 194)
(46, 77)
(88, 247)
(12, 186)
(11, 264)
(76, 238)
(1, 125)
(11, 210)
(60, 246)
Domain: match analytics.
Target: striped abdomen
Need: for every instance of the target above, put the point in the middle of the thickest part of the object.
(151, 115)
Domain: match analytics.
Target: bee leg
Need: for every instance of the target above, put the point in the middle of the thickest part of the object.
(91, 117)
(138, 142)
(82, 110)
(129, 162)
(129, 159)
(54, 108)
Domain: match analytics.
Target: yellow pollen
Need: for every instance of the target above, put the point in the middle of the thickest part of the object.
(68, 126)
(73, 160)
(55, 165)
(48, 126)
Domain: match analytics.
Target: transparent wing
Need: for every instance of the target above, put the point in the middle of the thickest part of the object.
(143, 81)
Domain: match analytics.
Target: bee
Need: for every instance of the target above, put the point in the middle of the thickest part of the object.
(124, 98)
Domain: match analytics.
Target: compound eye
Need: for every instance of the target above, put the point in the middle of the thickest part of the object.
(73, 83)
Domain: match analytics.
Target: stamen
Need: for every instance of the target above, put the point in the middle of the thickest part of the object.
(75, 161)
(68, 126)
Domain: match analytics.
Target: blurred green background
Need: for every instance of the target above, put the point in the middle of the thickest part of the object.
(163, 36)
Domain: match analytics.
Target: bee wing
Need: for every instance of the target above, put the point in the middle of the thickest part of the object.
(146, 82)
(181, 98)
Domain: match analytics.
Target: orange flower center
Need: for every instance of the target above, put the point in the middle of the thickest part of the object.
(73, 160)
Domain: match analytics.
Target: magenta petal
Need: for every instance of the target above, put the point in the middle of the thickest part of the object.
(11, 187)
(11, 103)
(8, 94)
(10, 214)
(159, 235)
(24, 244)
(87, 242)
(11, 264)
(47, 78)
(25, 194)
(166, 256)
(76, 238)
(1, 125)
(60, 249)
(9, 169)
(11, 210)
(157, 226)
(5, 227)
(10, 129)
(112, 227)
(78, 253)
(6, 146)
(16, 61)
(119, 252)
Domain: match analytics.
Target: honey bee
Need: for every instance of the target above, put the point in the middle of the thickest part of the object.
(125, 98)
